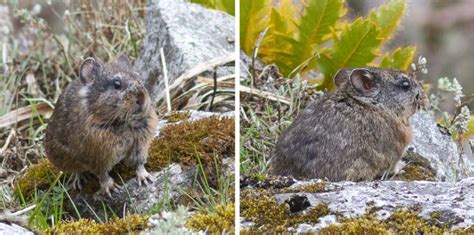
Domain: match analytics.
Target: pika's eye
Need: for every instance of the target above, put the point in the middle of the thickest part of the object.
(405, 84)
(117, 84)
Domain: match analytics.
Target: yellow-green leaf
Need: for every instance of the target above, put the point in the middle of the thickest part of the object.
(222, 5)
(400, 59)
(387, 17)
(253, 20)
(470, 129)
(357, 47)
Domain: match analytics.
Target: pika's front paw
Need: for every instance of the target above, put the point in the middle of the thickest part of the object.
(77, 182)
(107, 185)
(143, 175)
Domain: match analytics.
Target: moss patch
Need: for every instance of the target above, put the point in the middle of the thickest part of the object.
(359, 225)
(214, 222)
(402, 221)
(38, 176)
(417, 168)
(130, 224)
(269, 216)
(210, 139)
(317, 187)
(178, 116)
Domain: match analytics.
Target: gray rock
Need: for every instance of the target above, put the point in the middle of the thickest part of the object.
(10, 228)
(438, 148)
(352, 199)
(189, 34)
(167, 185)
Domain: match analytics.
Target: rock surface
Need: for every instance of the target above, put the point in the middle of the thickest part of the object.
(186, 43)
(354, 199)
(439, 149)
(10, 228)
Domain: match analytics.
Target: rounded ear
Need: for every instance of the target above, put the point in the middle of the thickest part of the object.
(364, 82)
(123, 60)
(89, 70)
(342, 76)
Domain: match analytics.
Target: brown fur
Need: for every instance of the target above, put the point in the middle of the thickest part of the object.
(356, 133)
(95, 125)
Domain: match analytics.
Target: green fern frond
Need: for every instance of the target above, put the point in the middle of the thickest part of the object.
(312, 27)
(357, 47)
(222, 5)
(387, 17)
(253, 20)
(400, 59)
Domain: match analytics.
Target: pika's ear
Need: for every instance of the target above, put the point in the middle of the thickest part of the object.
(89, 70)
(123, 60)
(364, 82)
(342, 76)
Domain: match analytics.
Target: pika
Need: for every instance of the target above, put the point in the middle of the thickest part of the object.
(103, 117)
(357, 133)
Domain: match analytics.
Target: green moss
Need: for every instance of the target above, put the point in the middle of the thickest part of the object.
(359, 225)
(178, 116)
(269, 216)
(222, 220)
(130, 224)
(317, 187)
(38, 176)
(417, 168)
(402, 221)
(210, 139)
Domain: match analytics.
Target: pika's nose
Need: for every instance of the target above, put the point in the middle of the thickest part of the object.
(140, 98)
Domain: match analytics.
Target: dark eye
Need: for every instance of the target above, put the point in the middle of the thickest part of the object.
(405, 84)
(117, 84)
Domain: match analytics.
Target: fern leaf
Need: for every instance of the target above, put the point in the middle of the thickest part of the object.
(357, 47)
(320, 17)
(252, 22)
(222, 5)
(400, 59)
(387, 17)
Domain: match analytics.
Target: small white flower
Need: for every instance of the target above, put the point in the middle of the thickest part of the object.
(413, 66)
(422, 60)
(444, 84)
(36, 9)
(66, 13)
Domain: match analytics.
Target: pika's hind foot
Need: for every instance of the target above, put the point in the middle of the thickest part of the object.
(143, 175)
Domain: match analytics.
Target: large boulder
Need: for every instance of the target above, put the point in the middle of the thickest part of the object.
(438, 148)
(189, 34)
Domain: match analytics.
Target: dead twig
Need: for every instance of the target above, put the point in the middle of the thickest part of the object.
(265, 94)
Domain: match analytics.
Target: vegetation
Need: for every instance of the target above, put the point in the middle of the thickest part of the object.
(223, 5)
(315, 35)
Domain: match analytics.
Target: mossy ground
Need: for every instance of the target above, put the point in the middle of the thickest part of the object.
(261, 207)
(178, 116)
(417, 168)
(222, 220)
(131, 224)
